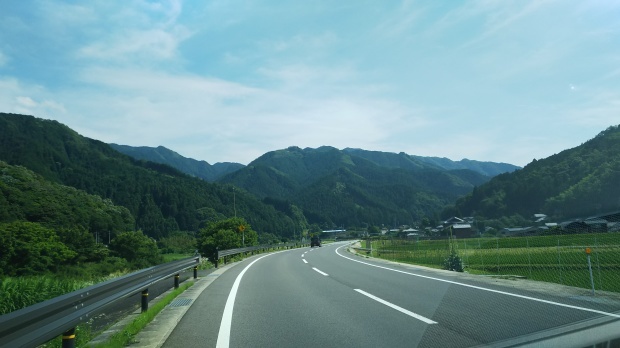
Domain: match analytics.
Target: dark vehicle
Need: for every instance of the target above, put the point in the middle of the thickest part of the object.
(315, 241)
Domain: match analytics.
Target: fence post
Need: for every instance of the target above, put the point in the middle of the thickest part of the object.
(465, 251)
(560, 263)
(68, 338)
(145, 300)
(598, 265)
(481, 256)
(529, 257)
(588, 251)
(497, 252)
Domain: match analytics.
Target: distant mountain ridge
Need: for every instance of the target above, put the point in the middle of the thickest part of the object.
(405, 161)
(578, 182)
(213, 172)
(162, 155)
(352, 187)
(368, 180)
(160, 198)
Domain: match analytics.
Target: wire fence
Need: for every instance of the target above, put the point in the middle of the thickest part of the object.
(558, 259)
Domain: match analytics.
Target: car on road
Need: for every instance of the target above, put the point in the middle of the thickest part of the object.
(315, 241)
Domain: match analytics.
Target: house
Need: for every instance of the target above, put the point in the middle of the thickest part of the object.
(453, 220)
(519, 231)
(539, 217)
(574, 227)
(596, 225)
(462, 231)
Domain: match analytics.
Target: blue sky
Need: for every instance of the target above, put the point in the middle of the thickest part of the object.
(505, 81)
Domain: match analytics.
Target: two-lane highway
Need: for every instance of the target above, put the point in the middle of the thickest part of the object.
(325, 297)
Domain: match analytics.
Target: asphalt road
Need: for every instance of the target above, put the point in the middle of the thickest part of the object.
(327, 297)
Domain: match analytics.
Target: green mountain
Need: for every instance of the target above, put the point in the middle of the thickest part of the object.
(45, 226)
(405, 161)
(160, 154)
(579, 182)
(26, 196)
(340, 188)
(160, 198)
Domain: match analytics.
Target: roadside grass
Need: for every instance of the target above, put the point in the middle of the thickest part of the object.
(127, 335)
(556, 258)
(174, 257)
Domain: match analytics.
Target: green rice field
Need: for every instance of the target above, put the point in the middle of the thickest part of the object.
(558, 259)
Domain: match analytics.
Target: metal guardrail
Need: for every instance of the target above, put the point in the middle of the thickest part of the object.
(362, 249)
(39, 323)
(230, 252)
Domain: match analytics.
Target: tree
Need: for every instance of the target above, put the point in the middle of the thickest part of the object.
(373, 230)
(28, 248)
(178, 242)
(225, 234)
(140, 250)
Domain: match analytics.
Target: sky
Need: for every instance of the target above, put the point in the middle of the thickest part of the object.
(227, 81)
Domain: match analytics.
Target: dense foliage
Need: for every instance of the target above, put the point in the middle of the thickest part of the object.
(27, 248)
(578, 182)
(161, 199)
(341, 188)
(26, 196)
(140, 250)
(225, 234)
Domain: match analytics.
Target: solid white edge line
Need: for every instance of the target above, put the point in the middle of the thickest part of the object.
(321, 272)
(485, 289)
(305, 261)
(398, 308)
(223, 336)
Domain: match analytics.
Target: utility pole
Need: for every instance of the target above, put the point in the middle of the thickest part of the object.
(234, 202)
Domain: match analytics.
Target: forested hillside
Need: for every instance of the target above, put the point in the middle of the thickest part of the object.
(578, 182)
(337, 188)
(45, 226)
(412, 162)
(26, 196)
(160, 154)
(160, 198)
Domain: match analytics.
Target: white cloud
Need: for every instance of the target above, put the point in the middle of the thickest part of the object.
(155, 44)
(4, 59)
(17, 97)
(26, 102)
(401, 79)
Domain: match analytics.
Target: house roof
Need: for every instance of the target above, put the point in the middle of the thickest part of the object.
(461, 226)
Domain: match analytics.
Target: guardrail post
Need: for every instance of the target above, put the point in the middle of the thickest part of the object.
(145, 300)
(68, 338)
(176, 281)
(195, 272)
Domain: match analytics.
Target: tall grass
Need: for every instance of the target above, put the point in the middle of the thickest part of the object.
(17, 293)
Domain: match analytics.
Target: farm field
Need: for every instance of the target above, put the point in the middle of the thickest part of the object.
(558, 259)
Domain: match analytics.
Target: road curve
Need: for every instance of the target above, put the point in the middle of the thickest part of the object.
(326, 297)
